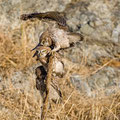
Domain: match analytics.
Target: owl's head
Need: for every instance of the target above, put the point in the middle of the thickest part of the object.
(45, 39)
(42, 51)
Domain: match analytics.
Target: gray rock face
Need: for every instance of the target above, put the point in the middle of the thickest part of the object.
(98, 21)
(94, 18)
(86, 29)
(80, 85)
(22, 81)
(93, 50)
(116, 34)
(12, 9)
(105, 81)
(104, 78)
(10, 22)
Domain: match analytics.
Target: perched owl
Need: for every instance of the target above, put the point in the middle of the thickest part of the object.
(40, 80)
(44, 40)
(55, 92)
(42, 54)
(56, 36)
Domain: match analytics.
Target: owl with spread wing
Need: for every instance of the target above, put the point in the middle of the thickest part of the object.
(59, 17)
(56, 35)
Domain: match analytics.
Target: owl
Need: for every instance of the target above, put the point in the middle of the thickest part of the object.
(56, 16)
(55, 92)
(57, 35)
(58, 65)
(42, 54)
(40, 80)
(58, 38)
(44, 40)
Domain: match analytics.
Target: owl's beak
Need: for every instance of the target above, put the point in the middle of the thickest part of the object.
(36, 47)
(35, 54)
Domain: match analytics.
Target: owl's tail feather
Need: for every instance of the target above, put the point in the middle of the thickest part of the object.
(75, 37)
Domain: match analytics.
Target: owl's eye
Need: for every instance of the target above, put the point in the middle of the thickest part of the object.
(43, 53)
(43, 42)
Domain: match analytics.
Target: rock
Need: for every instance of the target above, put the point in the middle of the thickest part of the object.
(78, 15)
(98, 23)
(11, 24)
(86, 29)
(104, 79)
(100, 15)
(100, 9)
(116, 34)
(80, 85)
(11, 10)
(101, 83)
(93, 50)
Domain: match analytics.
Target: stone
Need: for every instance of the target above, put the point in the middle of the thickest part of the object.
(86, 29)
(116, 34)
(80, 85)
(104, 79)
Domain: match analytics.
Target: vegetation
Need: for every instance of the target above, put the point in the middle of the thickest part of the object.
(19, 105)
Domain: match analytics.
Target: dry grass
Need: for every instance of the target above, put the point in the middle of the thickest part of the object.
(18, 105)
(76, 106)
(14, 56)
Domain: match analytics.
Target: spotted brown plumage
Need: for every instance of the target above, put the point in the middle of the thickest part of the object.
(42, 54)
(58, 38)
(55, 92)
(44, 40)
(52, 15)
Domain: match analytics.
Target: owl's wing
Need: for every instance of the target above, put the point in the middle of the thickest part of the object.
(74, 37)
(52, 15)
(54, 84)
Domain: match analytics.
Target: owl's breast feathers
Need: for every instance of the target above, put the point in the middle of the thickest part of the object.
(59, 37)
